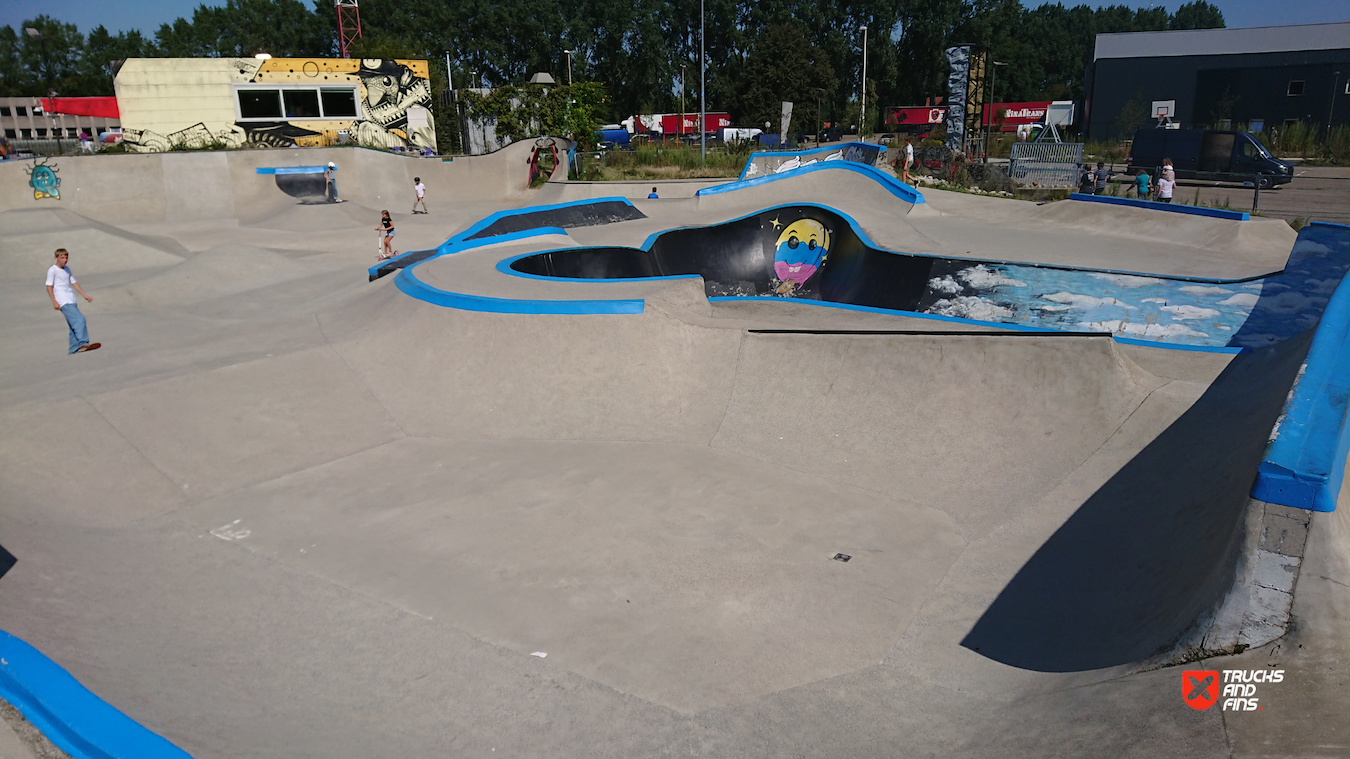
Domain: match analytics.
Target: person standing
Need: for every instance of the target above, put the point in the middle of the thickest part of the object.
(61, 288)
(1103, 176)
(909, 161)
(1141, 183)
(1086, 180)
(421, 192)
(1165, 187)
(652, 195)
(330, 183)
(387, 227)
(86, 144)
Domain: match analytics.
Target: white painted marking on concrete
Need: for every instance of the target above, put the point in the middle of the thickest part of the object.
(230, 532)
(540, 654)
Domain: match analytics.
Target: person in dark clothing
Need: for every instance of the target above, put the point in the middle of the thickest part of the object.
(1102, 177)
(1087, 180)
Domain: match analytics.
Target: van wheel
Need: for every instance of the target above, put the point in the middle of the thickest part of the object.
(1265, 182)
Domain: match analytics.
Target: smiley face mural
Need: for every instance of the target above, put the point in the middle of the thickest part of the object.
(801, 250)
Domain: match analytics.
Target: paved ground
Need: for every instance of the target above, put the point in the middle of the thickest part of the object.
(1318, 193)
(286, 512)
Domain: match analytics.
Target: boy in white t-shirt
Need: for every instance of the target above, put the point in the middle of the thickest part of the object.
(61, 288)
(421, 191)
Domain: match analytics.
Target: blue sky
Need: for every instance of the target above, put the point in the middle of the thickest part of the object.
(147, 15)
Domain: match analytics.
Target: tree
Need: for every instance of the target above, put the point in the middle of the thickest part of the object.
(1197, 15)
(244, 28)
(783, 66)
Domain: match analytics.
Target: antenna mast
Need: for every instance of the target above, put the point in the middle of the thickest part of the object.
(348, 24)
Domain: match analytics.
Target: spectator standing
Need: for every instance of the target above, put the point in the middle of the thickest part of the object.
(1086, 180)
(61, 288)
(1165, 188)
(1141, 183)
(421, 191)
(1103, 176)
(909, 161)
(86, 143)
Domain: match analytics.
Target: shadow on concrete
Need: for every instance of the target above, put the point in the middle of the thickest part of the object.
(1153, 548)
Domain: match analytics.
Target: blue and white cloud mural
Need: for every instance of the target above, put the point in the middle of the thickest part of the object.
(1237, 314)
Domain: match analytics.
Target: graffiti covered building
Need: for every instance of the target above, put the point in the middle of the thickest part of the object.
(282, 102)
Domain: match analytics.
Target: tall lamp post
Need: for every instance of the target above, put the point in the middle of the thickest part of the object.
(680, 132)
(862, 108)
(993, 102)
(820, 125)
(51, 92)
(569, 67)
(702, 90)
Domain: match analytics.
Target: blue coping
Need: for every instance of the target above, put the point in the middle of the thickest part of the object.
(878, 149)
(418, 289)
(1154, 205)
(74, 719)
(410, 284)
(891, 184)
(295, 170)
(456, 240)
(1304, 465)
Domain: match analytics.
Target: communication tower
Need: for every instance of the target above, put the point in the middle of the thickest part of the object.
(348, 24)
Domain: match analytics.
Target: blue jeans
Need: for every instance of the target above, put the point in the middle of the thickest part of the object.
(332, 191)
(79, 333)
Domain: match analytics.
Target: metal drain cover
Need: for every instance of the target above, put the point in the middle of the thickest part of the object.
(842, 557)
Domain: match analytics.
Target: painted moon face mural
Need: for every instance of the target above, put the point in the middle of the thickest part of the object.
(801, 249)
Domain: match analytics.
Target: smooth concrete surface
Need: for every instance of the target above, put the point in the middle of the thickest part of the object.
(286, 512)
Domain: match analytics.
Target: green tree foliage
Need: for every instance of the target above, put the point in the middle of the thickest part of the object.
(783, 66)
(1196, 15)
(532, 110)
(635, 48)
(244, 28)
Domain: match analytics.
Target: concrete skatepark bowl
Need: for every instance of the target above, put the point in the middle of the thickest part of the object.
(578, 475)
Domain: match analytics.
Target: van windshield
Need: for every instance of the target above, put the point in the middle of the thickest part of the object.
(1253, 149)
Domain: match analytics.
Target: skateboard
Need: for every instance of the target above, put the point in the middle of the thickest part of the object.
(88, 347)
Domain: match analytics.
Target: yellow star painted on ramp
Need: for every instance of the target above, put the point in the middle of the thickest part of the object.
(775, 222)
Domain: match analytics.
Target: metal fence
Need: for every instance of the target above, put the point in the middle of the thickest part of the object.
(1046, 164)
(63, 146)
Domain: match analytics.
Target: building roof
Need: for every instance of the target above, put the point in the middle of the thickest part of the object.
(1260, 39)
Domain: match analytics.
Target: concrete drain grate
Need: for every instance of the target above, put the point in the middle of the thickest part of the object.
(842, 557)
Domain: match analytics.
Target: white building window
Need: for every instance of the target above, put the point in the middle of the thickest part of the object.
(280, 102)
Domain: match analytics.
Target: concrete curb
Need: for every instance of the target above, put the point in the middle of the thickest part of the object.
(74, 719)
(1153, 205)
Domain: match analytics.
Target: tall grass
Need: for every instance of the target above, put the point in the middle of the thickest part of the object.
(1312, 142)
(668, 162)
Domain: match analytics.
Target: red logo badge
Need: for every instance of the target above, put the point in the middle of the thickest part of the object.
(1200, 688)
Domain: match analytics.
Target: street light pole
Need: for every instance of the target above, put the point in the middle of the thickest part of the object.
(862, 108)
(679, 132)
(569, 67)
(702, 90)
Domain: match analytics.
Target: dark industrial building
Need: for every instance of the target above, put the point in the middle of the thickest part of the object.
(1255, 79)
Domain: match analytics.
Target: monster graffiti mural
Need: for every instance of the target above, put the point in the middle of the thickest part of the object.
(282, 102)
(42, 178)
